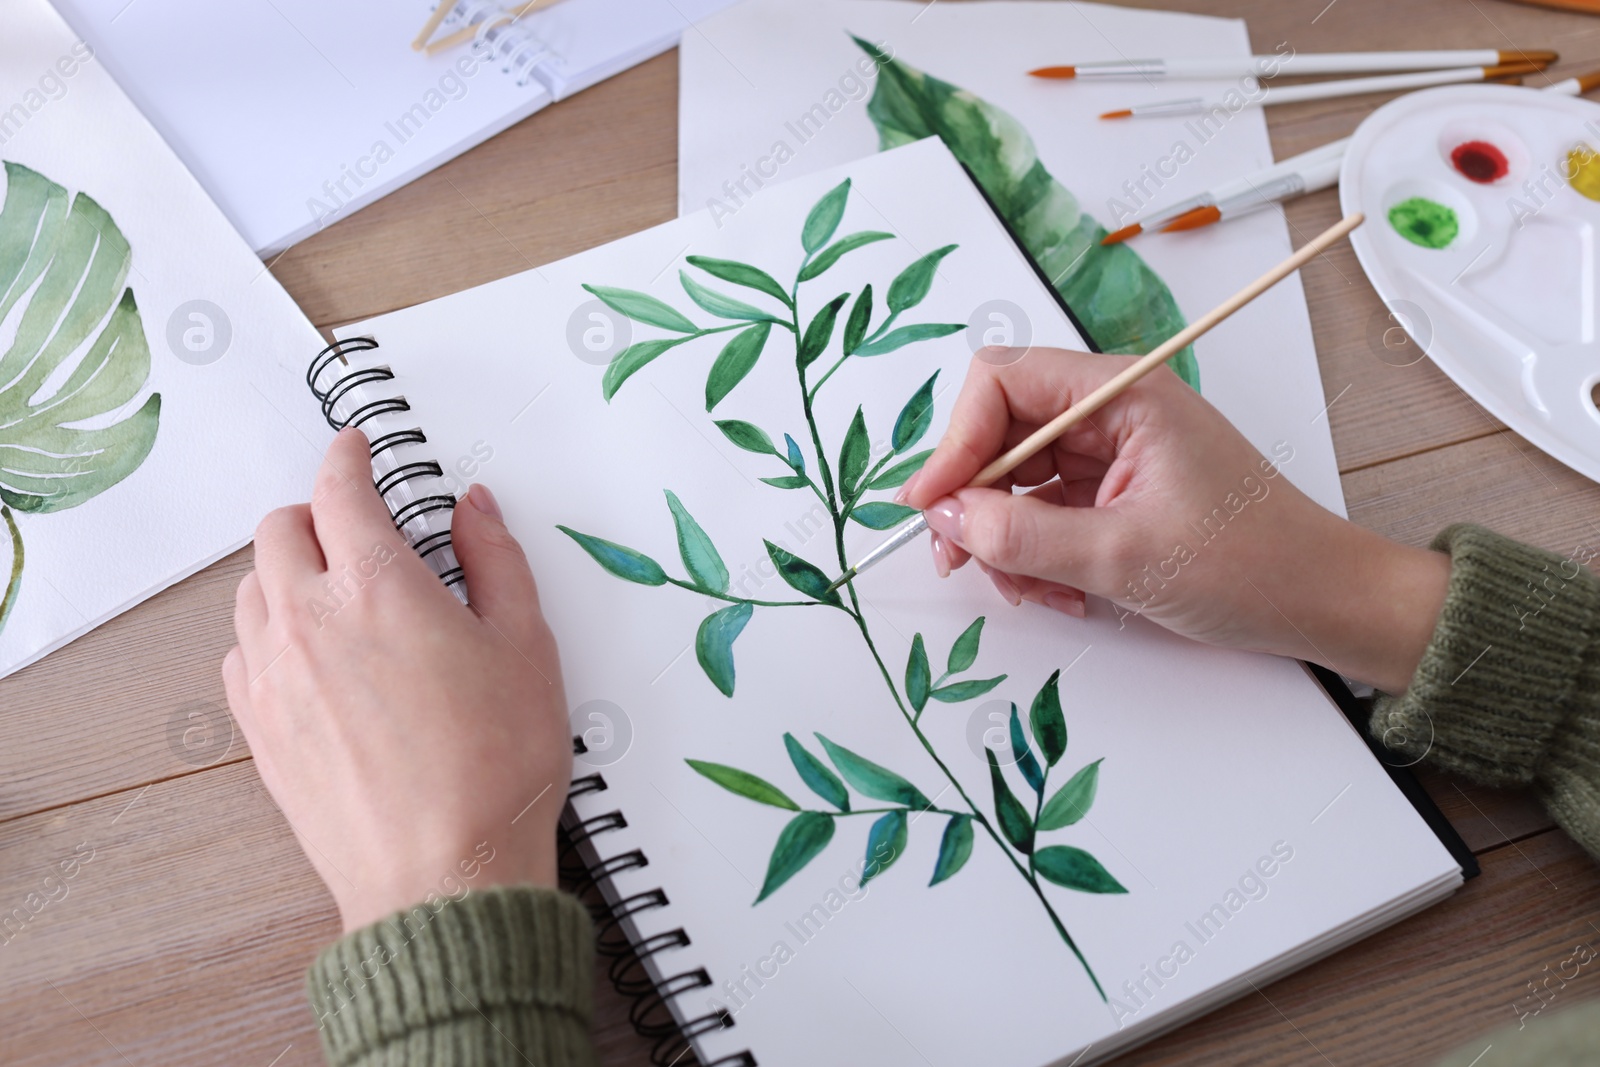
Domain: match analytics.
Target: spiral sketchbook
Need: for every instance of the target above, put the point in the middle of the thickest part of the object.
(956, 831)
(296, 113)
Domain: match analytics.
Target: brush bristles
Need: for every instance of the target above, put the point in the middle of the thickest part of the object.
(1123, 114)
(1055, 72)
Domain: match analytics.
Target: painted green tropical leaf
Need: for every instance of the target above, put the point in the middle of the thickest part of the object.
(956, 692)
(700, 556)
(744, 784)
(719, 304)
(802, 575)
(79, 353)
(713, 644)
(788, 481)
(1026, 763)
(831, 254)
(1075, 869)
(824, 217)
(747, 436)
(1049, 725)
(816, 775)
(631, 360)
(854, 453)
(901, 336)
(1008, 810)
(1121, 302)
(642, 307)
(964, 653)
(855, 327)
(620, 560)
(910, 287)
(1073, 800)
(915, 417)
(901, 472)
(736, 360)
(885, 842)
(819, 331)
(805, 835)
(955, 848)
(744, 274)
(918, 674)
(796, 459)
(874, 781)
(881, 514)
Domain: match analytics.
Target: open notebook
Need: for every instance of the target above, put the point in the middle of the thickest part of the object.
(296, 113)
(1154, 827)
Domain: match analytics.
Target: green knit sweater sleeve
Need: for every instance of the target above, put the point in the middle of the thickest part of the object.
(499, 978)
(1508, 691)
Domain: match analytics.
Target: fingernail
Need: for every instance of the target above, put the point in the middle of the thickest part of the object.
(480, 498)
(1007, 587)
(945, 518)
(1066, 604)
(941, 556)
(903, 495)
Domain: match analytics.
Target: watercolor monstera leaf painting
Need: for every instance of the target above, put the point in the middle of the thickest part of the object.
(842, 476)
(76, 355)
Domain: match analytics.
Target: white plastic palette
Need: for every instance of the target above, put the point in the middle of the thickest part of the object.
(1507, 307)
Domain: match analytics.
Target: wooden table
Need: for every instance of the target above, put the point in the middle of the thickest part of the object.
(184, 939)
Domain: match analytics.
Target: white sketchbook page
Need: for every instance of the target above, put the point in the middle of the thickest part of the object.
(595, 39)
(748, 74)
(236, 437)
(1210, 757)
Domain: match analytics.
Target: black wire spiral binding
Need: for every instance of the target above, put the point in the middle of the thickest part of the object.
(339, 352)
(651, 1013)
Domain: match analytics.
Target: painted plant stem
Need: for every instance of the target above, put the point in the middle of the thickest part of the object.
(14, 584)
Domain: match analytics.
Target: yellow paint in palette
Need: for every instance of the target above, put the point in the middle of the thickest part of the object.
(1583, 171)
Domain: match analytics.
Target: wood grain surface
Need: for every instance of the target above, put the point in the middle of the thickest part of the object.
(184, 939)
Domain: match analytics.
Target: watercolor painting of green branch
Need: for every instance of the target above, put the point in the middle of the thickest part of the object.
(61, 276)
(824, 340)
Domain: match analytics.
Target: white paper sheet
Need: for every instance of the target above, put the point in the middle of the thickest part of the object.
(1214, 762)
(749, 77)
(228, 351)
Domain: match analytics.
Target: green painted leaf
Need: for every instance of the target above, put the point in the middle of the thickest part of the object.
(918, 674)
(796, 459)
(1049, 725)
(1073, 800)
(700, 556)
(1008, 810)
(721, 305)
(642, 307)
(915, 417)
(874, 781)
(901, 336)
(805, 835)
(744, 274)
(736, 360)
(955, 848)
(802, 575)
(831, 254)
(854, 454)
(911, 285)
(713, 644)
(816, 775)
(1075, 869)
(824, 217)
(956, 692)
(1123, 305)
(881, 514)
(885, 842)
(901, 472)
(788, 481)
(855, 327)
(631, 360)
(1026, 763)
(744, 784)
(819, 331)
(620, 560)
(747, 436)
(79, 353)
(964, 653)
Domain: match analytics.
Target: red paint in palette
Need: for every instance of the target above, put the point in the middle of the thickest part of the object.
(1479, 161)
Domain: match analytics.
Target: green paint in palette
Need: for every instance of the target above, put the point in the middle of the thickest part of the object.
(1424, 222)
